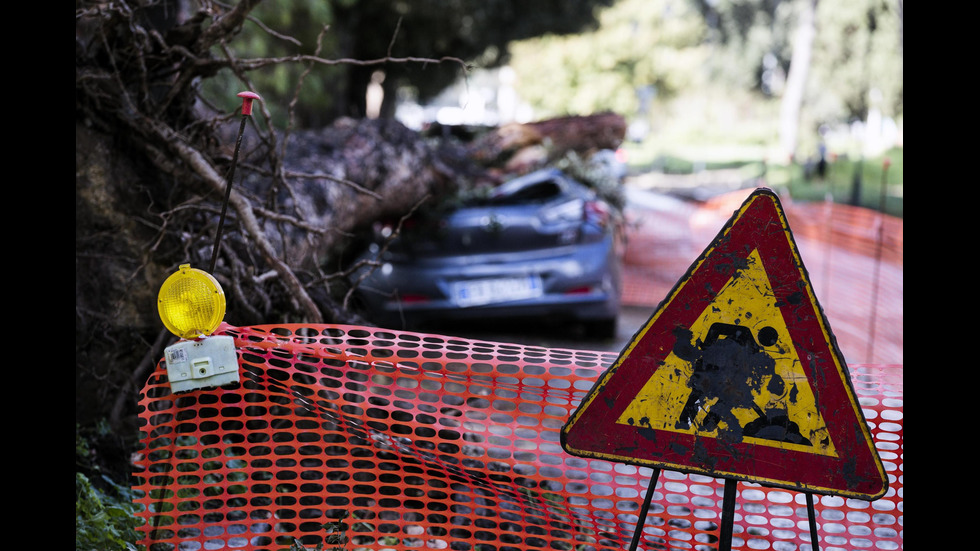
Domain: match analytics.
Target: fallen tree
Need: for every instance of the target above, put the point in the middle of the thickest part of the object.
(152, 160)
(152, 163)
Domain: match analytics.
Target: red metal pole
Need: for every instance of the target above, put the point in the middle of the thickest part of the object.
(247, 98)
(877, 266)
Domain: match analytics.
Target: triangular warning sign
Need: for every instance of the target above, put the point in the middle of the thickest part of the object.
(736, 375)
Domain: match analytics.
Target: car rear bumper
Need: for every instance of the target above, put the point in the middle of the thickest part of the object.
(580, 282)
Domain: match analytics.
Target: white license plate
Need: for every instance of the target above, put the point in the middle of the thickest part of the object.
(486, 291)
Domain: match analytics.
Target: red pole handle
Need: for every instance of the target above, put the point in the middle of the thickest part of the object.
(247, 98)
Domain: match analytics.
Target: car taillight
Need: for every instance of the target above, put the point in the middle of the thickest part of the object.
(411, 298)
(597, 213)
(584, 290)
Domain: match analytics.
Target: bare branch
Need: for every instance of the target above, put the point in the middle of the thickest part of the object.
(226, 25)
(257, 63)
(381, 251)
(353, 185)
(246, 214)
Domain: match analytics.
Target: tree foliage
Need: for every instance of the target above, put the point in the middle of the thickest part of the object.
(640, 47)
(857, 53)
(104, 511)
(478, 31)
(648, 58)
(858, 60)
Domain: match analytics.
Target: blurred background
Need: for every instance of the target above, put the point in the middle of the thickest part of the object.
(716, 97)
(782, 88)
(803, 96)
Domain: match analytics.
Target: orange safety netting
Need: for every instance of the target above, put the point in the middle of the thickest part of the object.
(854, 257)
(436, 442)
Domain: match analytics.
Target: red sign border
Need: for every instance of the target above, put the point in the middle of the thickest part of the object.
(758, 224)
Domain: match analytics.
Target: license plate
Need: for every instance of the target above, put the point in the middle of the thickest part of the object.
(486, 291)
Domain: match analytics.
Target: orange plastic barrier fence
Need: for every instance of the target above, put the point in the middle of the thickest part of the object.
(854, 257)
(435, 442)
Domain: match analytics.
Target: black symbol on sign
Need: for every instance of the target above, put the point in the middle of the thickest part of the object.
(729, 369)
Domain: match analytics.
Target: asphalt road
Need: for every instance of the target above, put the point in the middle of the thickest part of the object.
(551, 333)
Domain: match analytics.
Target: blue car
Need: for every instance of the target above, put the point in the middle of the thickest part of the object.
(540, 245)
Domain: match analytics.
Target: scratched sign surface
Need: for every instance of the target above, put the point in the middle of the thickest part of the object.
(736, 375)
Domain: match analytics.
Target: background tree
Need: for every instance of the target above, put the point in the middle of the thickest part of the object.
(640, 49)
(796, 80)
(850, 53)
(478, 31)
(858, 49)
(706, 70)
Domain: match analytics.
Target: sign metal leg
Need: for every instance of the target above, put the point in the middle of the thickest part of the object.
(727, 515)
(812, 516)
(643, 510)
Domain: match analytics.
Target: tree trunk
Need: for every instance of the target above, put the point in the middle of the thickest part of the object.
(522, 146)
(799, 68)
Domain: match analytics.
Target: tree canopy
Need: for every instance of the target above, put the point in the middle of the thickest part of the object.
(373, 32)
(647, 55)
(640, 46)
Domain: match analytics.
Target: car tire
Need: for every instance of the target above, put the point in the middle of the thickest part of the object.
(601, 328)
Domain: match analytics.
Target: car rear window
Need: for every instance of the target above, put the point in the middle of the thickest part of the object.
(537, 192)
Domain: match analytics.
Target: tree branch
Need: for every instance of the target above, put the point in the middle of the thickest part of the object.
(196, 161)
(226, 25)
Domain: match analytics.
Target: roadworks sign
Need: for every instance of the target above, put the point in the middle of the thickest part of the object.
(736, 375)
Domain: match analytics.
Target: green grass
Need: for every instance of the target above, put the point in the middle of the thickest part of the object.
(848, 180)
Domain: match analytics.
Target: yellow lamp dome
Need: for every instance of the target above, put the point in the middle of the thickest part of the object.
(191, 303)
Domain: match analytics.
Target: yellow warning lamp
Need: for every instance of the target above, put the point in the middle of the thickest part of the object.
(191, 303)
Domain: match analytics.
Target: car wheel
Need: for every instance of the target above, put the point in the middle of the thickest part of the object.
(601, 329)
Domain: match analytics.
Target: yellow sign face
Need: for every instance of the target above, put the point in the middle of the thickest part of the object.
(677, 399)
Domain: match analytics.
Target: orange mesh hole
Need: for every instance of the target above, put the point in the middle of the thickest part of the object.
(434, 442)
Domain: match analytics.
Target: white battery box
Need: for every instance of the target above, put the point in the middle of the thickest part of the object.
(209, 362)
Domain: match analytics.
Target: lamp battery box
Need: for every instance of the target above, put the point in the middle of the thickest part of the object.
(209, 362)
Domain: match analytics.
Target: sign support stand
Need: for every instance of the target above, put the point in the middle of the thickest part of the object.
(643, 510)
(811, 515)
(727, 515)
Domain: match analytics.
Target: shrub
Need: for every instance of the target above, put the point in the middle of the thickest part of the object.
(104, 520)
